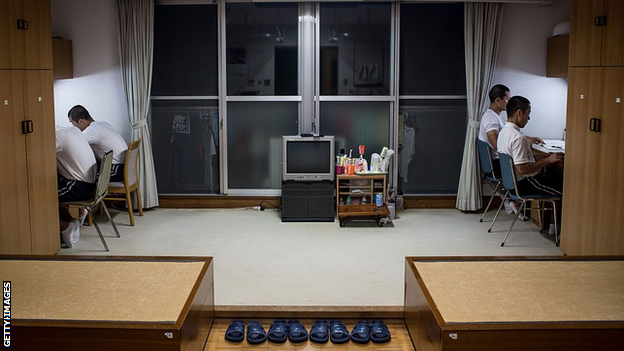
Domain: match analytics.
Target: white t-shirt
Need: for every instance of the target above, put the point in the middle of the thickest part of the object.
(490, 121)
(103, 137)
(511, 141)
(74, 158)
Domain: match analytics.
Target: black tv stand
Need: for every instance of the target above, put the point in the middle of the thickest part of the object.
(308, 201)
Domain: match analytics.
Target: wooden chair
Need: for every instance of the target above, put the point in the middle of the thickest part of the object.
(123, 191)
(99, 194)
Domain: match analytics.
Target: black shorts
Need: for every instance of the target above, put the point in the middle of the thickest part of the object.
(117, 173)
(540, 184)
(74, 190)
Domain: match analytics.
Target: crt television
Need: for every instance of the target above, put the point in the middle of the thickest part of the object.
(308, 158)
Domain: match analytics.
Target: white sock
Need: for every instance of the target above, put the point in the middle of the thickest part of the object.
(76, 233)
(67, 234)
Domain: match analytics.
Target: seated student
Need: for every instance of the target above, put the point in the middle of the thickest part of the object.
(102, 137)
(491, 123)
(77, 172)
(529, 175)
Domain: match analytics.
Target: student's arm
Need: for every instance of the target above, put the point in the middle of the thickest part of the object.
(492, 136)
(535, 140)
(533, 167)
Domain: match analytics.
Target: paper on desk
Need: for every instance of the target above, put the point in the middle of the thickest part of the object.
(554, 146)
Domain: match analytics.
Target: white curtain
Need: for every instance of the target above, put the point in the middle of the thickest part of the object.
(482, 32)
(136, 37)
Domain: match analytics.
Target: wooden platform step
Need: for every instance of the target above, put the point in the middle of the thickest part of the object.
(400, 338)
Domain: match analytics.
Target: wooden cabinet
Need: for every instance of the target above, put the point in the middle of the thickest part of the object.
(355, 197)
(28, 191)
(592, 221)
(557, 56)
(25, 28)
(63, 63)
(597, 33)
(28, 195)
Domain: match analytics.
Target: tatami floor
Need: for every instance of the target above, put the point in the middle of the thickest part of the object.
(260, 261)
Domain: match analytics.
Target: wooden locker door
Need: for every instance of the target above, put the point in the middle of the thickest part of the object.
(609, 229)
(38, 36)
(613, 34)
(41, 158)
(14, 212)
(585, 37)
(581, 173)
(11, 45)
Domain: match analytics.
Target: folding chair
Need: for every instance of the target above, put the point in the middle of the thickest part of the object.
(100, 192)
(490, 176)
(510, 183)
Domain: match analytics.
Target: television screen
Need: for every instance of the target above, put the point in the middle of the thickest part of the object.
(308, 157)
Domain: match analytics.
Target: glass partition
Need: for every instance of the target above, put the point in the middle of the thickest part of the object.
(357, 123)
(185, 145)
(185, 51)
(262, 48)
(355, 46)
(432, 49)
(254, 135)
(431, 144)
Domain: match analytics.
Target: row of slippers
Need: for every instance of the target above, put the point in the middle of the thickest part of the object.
(321, 332)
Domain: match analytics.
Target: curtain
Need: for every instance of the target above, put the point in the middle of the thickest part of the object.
(136, 35)
(483, 25)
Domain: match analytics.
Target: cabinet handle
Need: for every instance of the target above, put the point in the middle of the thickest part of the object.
(591, 124)
(600, 21)
(22, 24)
(594, 125)
(27, 126)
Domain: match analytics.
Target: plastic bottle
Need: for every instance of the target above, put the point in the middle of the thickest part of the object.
(379, 199)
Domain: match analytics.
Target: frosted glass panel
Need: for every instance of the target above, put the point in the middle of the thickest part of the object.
(254, 144)
(185, 143)
(185, 51)
(262, 48)
(357, 123)
(431, 145)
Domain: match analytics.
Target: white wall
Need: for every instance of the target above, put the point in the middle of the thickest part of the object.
(522, 64)
(90, 25)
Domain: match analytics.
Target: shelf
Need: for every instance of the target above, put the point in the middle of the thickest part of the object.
(365, 185)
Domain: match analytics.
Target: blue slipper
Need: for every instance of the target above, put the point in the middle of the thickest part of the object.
(255, 333)
(319, 332)
(379, 332)
(361, 332)
(296, 331)
(235, 331)
(338, 333)
(278, 331)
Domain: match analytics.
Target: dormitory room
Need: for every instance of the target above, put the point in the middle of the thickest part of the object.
(312, 175)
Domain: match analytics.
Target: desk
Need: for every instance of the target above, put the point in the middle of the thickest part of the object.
(103, 303)
(515, 303)
(550, 146)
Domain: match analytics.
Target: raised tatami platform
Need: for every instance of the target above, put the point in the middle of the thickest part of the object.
(109, 303)
(522, 303)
